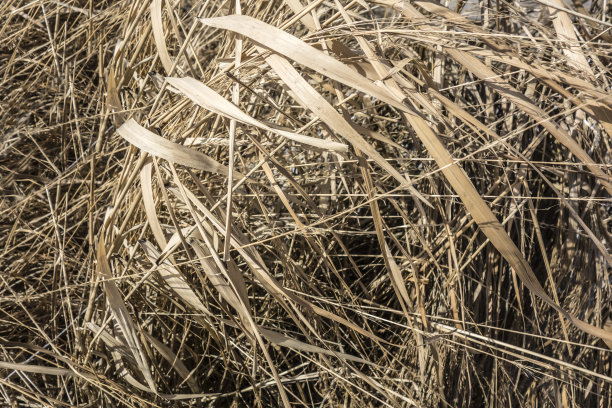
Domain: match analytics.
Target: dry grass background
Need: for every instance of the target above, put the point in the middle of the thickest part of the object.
(419, 208)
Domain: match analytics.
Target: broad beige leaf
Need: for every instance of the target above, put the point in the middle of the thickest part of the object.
(209, 99)
(113, 100)
(175, 280)
(175, 362)
(146, 184)
(158, 146)
(297, 50)
(284, 341)
(216, 277)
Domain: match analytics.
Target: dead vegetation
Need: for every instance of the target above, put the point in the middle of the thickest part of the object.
(291, 203)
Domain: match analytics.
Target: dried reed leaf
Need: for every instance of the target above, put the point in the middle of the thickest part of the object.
(158, 146)
(209, 99)
(311, 99)
(295, 49)
(121, 315)
(159, 36)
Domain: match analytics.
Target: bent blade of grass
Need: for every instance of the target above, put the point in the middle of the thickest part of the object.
(37, 369)
(159, 36)
(113, 99)
(282, 196)
(308, 97)
(566, 34)
(175, 280)
(158, 146)
(112, 343)
(209, 99)
(236, 276)
(216, 277)
(297, 50)
(289, 342)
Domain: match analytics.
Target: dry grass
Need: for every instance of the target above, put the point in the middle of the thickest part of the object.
(275, 203)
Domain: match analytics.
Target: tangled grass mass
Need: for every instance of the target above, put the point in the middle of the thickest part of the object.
(305, 203)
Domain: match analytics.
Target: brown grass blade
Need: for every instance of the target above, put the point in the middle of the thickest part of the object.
(311, 99)
(159, 36)
(121, 315)
(158, 146)
(209, 99)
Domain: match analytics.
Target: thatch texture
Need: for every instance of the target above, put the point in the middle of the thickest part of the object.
(292, 203)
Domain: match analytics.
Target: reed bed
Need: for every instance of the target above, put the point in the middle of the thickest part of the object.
(287, 203)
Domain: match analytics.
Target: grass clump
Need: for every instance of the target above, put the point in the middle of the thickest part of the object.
(364, 203)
